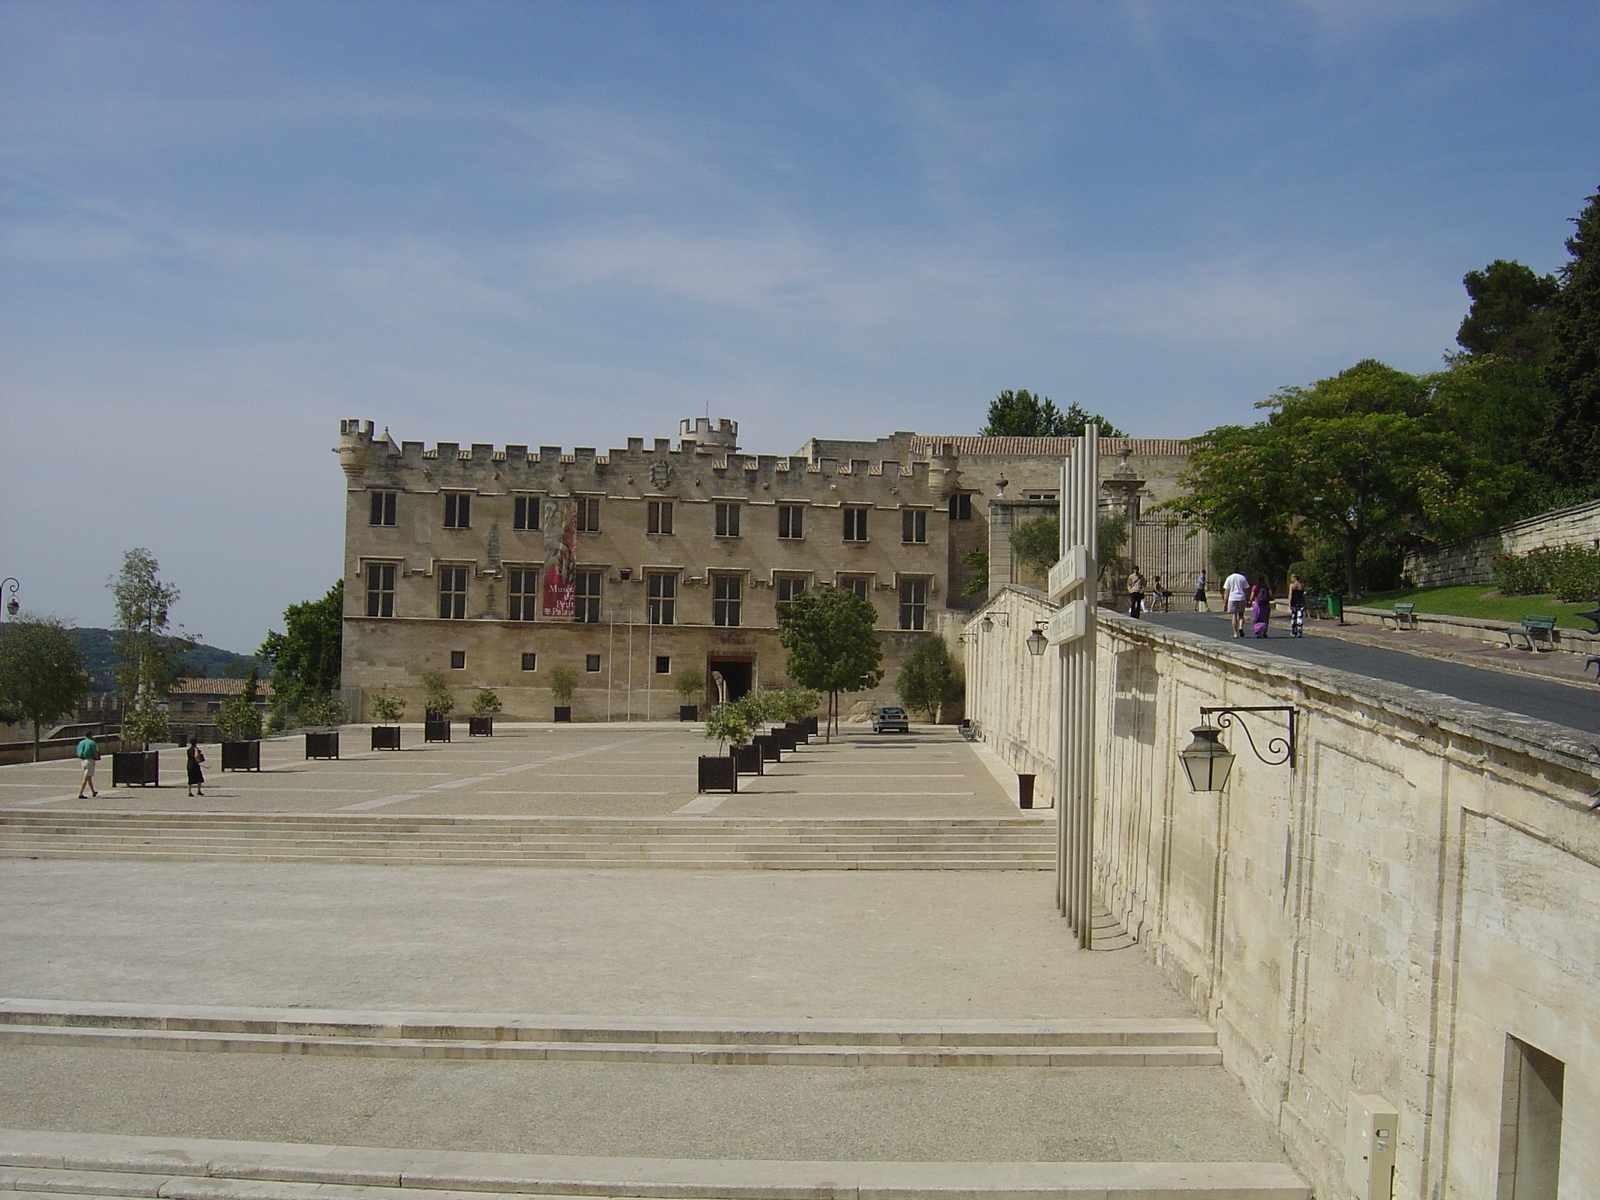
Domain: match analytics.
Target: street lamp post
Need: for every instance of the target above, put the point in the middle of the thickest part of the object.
(9, 585)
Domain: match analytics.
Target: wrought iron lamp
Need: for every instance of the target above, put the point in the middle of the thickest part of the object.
(12, 606)
(1207, 760)
(1036, 641)
(987, 624)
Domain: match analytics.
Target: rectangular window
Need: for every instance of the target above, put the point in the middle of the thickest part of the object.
(530, 661)
(453, 593)
(855, 524)
(457, 510)
(458, 660)
(914, 525)
(791, 521)
(961, 507)
(859, 584)
(790, 588)
(913, 603)
(588, 514)
(382, 508)
(525, 512)
(661, 599)
(380, 589)
(591, 663)
(727, 520)
(586, 601)
(522, 594)
(658, 516)
(663, 664)
(727, 592)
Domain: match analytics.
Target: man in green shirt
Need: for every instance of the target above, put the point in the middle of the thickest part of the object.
(88, 755)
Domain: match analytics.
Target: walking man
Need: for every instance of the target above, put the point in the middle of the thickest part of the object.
(1234, 590)
(88, 755)
(1135, 593)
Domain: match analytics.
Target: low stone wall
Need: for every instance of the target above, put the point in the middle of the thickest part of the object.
(1397, 914)
(1012, 697)
(1471, 560)
(53, 749)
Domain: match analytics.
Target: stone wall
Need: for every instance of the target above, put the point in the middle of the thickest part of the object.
(1471, 560)
(1386, 917)
(1013, 697)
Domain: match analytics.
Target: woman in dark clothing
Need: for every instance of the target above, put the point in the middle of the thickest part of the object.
(1297, 607)
(193, 757)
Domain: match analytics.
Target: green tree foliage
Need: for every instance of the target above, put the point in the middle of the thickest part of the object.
(437, 702)
(929, 678)
(386, 708)
(832, 647)
(688, 683)
(1508, 313)
(732, 724)
(146, 652)
(976, 563)
(41, 671)
(1573, 371)
(486, 703)
(239, 719)
(305, 658)
(563, 681)
(1023, 414)
(1036, 544)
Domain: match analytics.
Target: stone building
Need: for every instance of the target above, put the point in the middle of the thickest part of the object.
(494, 566)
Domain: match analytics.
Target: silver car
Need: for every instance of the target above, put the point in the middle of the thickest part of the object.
(890, 719)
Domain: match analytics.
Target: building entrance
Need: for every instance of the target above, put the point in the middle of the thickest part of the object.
(735, 673)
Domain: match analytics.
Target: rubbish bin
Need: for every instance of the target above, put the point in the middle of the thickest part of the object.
(1024, 791)
(1336, 606)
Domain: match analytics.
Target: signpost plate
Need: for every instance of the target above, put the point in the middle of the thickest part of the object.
(1069, 624)
(1072, 570)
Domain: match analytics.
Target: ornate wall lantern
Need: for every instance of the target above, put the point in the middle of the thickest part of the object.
(1207, 760)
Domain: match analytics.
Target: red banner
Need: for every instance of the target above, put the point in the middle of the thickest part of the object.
(558, 582)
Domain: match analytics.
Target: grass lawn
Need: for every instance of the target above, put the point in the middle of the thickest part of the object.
(1478, 601)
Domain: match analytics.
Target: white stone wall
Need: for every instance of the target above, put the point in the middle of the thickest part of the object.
(1424, 884)
(1012, 696)
(1471, 560)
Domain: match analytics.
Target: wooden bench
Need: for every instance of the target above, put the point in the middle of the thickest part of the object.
(1404, 616)
(1535, 628)
(1317, 607)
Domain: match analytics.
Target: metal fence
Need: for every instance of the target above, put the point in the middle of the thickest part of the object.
(1177, 553)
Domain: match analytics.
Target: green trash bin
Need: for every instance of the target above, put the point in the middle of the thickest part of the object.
(1336, 607)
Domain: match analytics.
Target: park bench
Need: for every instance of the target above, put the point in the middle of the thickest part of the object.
(1404, 616)
(1535, 628)
(1317, 607)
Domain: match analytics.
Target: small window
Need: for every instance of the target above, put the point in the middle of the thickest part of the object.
(525, 512)
(380, 589)
(522, 594)
(913, 603)
(961, 507)
(658, 517)
(591, 664)
(457, 510)
(663, 664)
(586, 601)
(588, 514)
(727, 596)
(790, 588)
(1043, 496)
(382, 508)
(914, 525)
(855, 524)
(458, 660)
(791, 521)
(661, 598)
(727, 520)
(214, 706)
(858, 584)
(530, 661)
(453, 593)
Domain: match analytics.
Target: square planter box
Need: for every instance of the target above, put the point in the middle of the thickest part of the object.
(801, 734)
(718, 773)
(135, 768)
(480, 726)
(768, 745)
(322, 745)
(811, 726)
(563, 712)
(386, 737)
(784, 736)
(688, 712)
(241, 756)
(436, 731)
(747, 760)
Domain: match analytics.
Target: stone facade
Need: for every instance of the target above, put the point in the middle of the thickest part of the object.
(1471, 560)
(1408, 912)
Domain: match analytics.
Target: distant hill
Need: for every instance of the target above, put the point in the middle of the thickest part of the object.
(99, 647)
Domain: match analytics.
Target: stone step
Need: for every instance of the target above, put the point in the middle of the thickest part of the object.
(61, 1165)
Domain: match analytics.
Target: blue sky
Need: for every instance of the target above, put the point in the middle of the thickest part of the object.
(227, 225)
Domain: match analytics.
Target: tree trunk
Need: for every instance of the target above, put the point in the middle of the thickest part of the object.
(1352, 542)
(36, 741)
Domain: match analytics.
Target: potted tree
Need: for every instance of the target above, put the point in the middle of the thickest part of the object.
(146, 722)
(687, 684)
(730, 725)
(437, 705)
(386, 711)
(327, 713)
(239, 721)
(563, 682)
(484, 705)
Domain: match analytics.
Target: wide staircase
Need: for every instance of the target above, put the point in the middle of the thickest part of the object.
(955, 844)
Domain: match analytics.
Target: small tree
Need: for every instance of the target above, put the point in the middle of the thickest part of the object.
(437, 701)
(929, 678)
(795, 704)
(563, 682)
(486, 703)
(239, 719)
(1037, 544)
(828, 634)
(688, 684)
(41, 671)
(386, 708)
(731, 724)
(144, 723)
(322, 710)
(145, 651)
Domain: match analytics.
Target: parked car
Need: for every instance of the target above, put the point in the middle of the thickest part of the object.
(889, 719)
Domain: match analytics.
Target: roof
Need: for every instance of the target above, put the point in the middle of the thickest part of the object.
(1060, 447)
(215, 687)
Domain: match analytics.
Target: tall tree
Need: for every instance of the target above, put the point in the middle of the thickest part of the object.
(1508, 313)
(306, 658)
(832, 648)
(929, 678)
(41, 671)
(146, 652)
(1573, 372)
(1023, 414)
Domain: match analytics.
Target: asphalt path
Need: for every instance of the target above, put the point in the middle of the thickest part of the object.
(1573, 707)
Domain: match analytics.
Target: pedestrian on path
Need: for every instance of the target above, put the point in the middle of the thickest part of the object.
(193, 757)
(1200, 604)
(1135, 593)
(1234, 590)
(1297, 607)
(88, 755)
(1260, 607)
